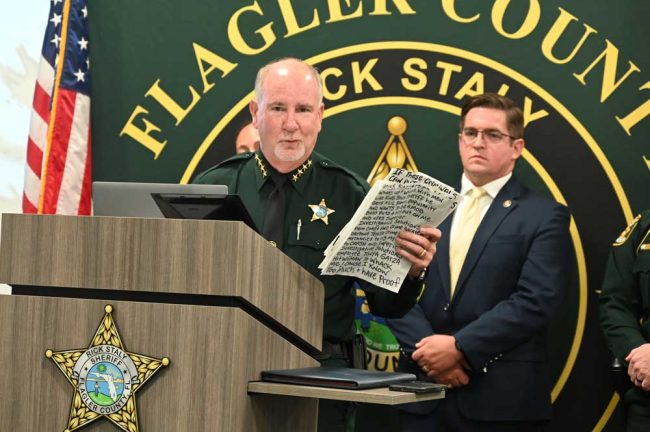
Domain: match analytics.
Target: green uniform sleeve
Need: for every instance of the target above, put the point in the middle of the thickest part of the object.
(620, 302)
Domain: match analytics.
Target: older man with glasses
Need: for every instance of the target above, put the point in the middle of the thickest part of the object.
(501, 270)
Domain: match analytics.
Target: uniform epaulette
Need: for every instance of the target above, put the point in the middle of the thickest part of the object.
(231, 160)
(328, 164)
(622, 238)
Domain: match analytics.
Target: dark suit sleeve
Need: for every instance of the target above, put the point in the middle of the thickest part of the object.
(540, 288)
(620, 302)
(388, 304)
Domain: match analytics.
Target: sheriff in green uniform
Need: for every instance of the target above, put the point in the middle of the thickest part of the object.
(625, 312)
(300, 200)
(321, 198)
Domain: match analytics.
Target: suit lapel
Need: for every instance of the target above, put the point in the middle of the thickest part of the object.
(498, 210)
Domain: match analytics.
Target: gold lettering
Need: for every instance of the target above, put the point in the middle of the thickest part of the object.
(641, 112)
(559, 27)
(143, 136)
(503, 90)
(336, 14)
(413, 67)
(402, 6)
(170, 104)
(610, 54)
(215, 61)
(448, 69)
(291, 22)
(236, 38)
(327, 93)
(365, 74)
(529, 24)
(529, 115)
(449, 7)
(474, 86)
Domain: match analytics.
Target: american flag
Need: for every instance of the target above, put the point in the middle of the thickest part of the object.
(58, 174)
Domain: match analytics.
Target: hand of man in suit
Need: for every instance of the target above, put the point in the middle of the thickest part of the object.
(454, 377)
(437, 353)
(639, 366)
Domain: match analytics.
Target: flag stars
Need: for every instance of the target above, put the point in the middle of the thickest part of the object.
(80, 75)
(83, 44)
(84, 11)
(56, 40)
(56, 20)
(57, 1)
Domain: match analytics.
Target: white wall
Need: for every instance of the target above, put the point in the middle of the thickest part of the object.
(21, 37)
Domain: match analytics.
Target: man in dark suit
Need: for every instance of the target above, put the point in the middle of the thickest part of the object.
(500, 272)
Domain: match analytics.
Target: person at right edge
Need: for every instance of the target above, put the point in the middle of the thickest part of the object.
(624, 306)
(501, 270)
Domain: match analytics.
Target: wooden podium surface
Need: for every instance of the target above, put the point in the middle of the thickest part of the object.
(161, 256)
(166, 281)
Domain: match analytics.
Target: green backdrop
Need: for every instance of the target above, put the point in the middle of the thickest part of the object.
(171, 81)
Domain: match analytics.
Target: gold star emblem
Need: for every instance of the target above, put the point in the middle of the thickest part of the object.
(105, 378)
(321, 211)
(300, 171)
(261, 166)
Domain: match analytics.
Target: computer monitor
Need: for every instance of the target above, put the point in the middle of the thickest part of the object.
(168, 200)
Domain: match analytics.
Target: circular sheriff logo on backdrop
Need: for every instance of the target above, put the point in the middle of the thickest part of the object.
(105, 378)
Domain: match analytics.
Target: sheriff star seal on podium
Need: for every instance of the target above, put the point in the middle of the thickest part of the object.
(105, 378)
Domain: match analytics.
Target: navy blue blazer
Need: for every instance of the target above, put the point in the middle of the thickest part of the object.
(515, 275)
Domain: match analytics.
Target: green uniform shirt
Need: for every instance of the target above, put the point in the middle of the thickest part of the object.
(625, 297)
(318, 182)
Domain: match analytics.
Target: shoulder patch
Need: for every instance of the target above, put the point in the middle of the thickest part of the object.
(622, 238)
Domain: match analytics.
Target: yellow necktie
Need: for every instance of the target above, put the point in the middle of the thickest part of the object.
(466, 226)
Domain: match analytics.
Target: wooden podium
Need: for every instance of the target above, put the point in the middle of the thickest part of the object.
(214, 297)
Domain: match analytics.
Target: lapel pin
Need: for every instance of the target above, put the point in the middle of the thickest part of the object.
(507, 203)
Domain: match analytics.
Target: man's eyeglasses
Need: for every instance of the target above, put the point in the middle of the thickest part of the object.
(493, 136)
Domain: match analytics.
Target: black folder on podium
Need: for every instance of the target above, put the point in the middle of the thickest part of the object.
(336, 377)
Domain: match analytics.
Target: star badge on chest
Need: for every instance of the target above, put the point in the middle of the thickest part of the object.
(321, 211)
